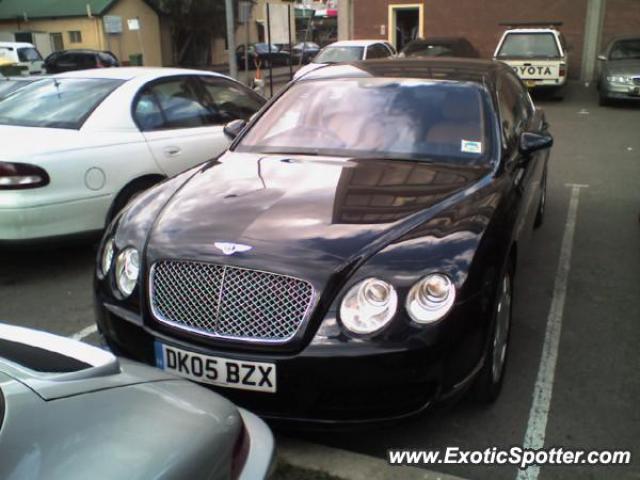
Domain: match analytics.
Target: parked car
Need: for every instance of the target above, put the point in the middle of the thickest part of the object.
(539, 56)
(77, 146)
(348, 51)
(11, 84)
(620, 70)
(70, 410)
(352, 256)
(23, 54)
(259, 54)
(70, 60)
(304, 52)
(440, 47)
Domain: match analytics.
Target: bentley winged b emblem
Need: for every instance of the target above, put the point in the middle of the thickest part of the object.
(229, 248)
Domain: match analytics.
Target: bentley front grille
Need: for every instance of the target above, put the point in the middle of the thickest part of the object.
(229, 302)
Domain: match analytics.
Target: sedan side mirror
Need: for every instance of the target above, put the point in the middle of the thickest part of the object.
(602, 58)
(532, 142)
(233, 128)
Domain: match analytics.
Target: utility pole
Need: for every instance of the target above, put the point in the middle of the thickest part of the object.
(231, 39)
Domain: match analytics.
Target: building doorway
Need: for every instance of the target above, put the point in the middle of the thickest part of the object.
(57, 43)
(406, 23)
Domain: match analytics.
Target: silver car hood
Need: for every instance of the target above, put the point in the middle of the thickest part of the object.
(112, 419)
(624, 67)
(79, 367)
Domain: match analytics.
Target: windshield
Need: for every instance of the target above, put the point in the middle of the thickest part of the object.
(529, 45)
(264, 47)
(59, 103)
(29, 55)
(339, 54)
(8, 86)
(375, 118)
(625, 50)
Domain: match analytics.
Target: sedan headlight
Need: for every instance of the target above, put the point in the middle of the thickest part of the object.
(368, 306)
(127, 270)
(106, 259)
(619, 79)
(431, 298)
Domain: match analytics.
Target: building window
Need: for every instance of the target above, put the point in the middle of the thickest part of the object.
(75, 36)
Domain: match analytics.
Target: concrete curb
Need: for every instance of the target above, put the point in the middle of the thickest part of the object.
(348, 465)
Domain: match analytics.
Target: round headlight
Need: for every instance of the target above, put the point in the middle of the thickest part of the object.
(368, 306)
(107, 258)
(431, 298)
(127, 270)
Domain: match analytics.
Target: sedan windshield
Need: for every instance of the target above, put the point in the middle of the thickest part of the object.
(55, 103)
(8, 86)
(529, 45)
(339, 54)
(376, 118)
(626, 50)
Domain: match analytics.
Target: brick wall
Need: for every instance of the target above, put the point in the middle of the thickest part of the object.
(622, 17)
(478, 20)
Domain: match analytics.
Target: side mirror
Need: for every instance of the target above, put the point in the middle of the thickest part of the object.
(602, 58)
(532, 142)
(233, 128)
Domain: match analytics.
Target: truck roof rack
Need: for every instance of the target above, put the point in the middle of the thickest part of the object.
(530, 24)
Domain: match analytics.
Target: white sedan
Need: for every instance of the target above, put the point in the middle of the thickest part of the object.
(348, 51)
(74, 148)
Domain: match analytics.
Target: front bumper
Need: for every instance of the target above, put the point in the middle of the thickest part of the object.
(615, 91)
(262, 450)
(331, 381)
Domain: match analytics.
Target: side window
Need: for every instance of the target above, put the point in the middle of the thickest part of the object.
(377, 51)
(147, 112)
(227, 101)
(177, 102)
(511, 116)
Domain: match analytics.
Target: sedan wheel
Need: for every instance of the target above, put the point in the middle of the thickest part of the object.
(501, 333)
(489, 381)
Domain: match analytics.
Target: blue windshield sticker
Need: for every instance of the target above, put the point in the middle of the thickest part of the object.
(468, 146)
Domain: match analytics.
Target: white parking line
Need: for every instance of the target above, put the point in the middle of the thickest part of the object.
(538, 416)
(85, 332)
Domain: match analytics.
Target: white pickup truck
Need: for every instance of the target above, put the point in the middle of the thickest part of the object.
(537, 55)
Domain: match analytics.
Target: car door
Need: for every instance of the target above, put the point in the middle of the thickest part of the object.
(515, 114)
(181, 126)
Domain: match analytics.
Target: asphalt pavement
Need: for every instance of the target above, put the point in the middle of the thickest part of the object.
(595, 390)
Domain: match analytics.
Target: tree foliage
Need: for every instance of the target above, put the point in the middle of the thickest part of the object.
(194, 23)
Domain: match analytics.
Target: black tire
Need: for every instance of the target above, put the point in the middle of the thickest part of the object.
(542, 205)
(127, 194)
(488, 384)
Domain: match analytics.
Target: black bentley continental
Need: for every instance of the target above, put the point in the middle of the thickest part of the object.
(352, 256)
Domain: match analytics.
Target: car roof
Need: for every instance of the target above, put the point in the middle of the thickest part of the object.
(533, 30)
(431, 68)
(17, 44)
(354, 43)
(130, 73)
(81, 50)
(434, 40)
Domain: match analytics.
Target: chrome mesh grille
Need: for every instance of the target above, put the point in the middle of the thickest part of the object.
(228, 301)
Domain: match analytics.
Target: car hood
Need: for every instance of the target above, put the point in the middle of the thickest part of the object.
(302, 216)
(310, 67)
(624, 67)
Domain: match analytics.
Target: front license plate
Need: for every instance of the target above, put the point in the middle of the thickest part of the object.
(219, 371)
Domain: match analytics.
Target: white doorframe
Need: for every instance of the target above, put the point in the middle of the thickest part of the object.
(391, 29)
